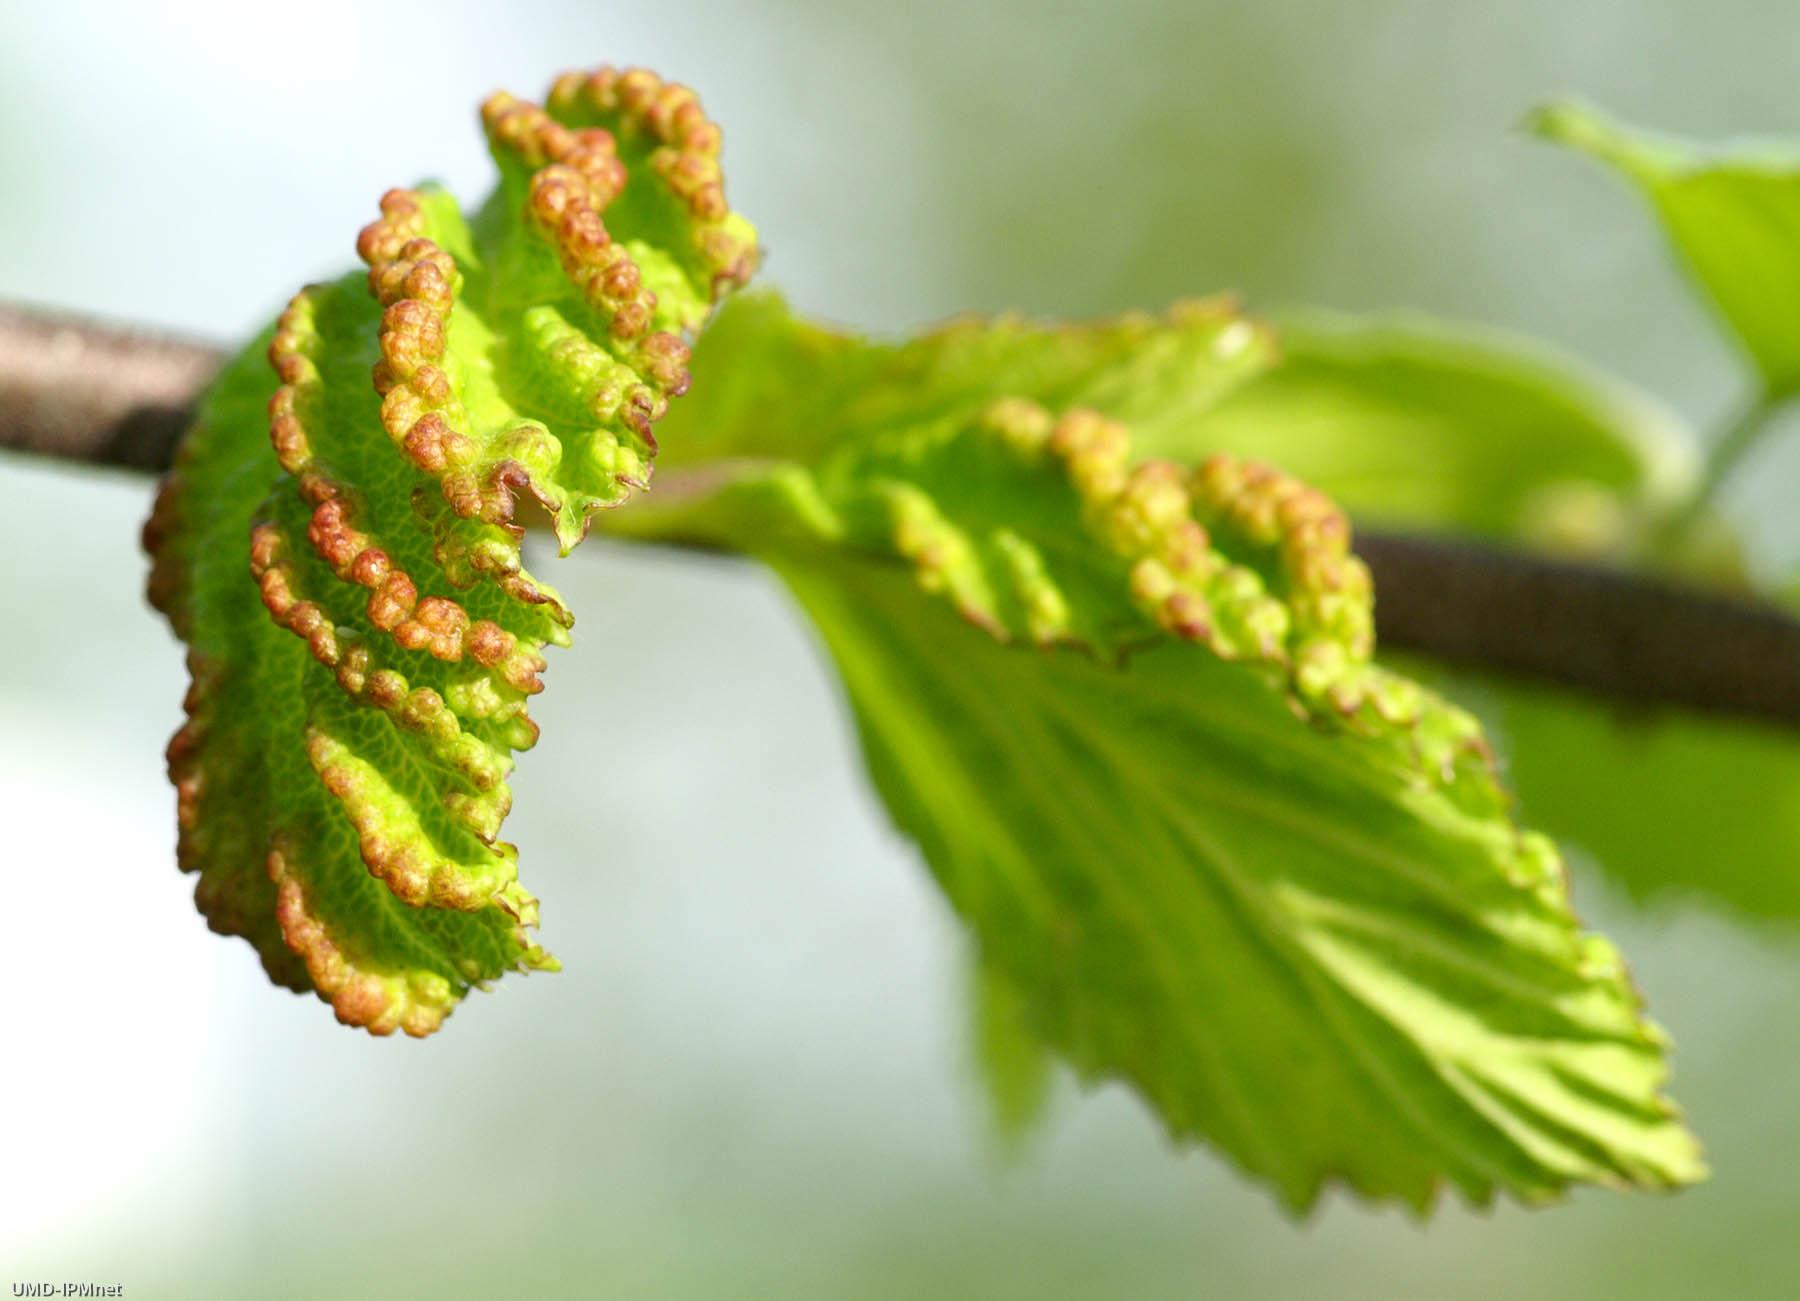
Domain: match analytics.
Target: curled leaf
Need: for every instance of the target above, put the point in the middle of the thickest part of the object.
(341, 550)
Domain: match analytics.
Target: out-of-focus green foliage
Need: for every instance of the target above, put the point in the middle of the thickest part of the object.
(1412, 420)
(1672, 805)
(1732, 214)
(1012, 1061)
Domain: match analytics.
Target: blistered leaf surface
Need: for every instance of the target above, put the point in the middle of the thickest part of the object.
(339, 544)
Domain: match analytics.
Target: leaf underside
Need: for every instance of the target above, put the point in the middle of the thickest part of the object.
(1128, 711)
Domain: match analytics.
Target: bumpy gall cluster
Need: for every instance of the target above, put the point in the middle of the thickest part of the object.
(1230, 554)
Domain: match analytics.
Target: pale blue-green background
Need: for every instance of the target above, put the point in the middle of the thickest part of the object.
(751, 1080)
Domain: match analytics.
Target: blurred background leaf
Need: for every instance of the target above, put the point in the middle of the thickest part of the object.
(1732, 214)
(1682, 808)
(1414, 421)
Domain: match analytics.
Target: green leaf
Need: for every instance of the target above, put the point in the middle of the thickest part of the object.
(1442, 427)
(1445, 427)
(1732, 214)
(1127, 710)
(340, 553)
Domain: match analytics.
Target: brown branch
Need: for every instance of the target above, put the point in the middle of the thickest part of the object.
(1609, 632)
(81, 391)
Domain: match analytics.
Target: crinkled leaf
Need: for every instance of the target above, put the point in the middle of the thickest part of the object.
(338, 546)
(1732, 214)
(1127, 710)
